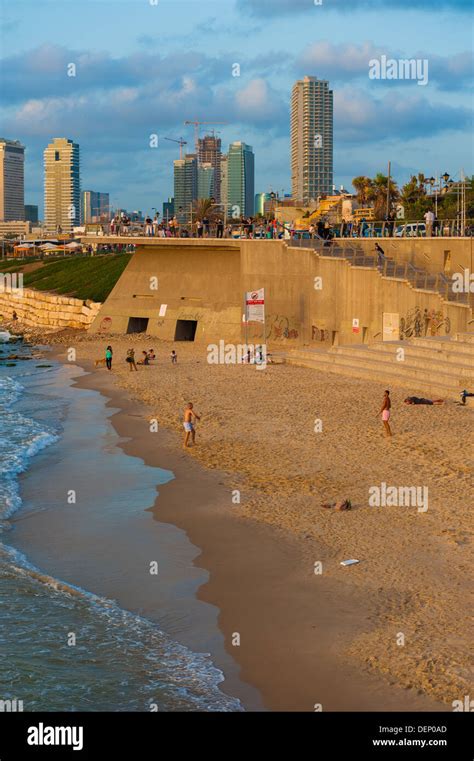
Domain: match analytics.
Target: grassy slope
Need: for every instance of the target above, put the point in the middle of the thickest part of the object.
(85, 278)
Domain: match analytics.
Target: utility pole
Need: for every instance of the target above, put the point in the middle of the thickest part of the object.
(388, 189)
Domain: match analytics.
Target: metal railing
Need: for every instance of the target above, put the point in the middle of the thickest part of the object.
(258, 230)
(418, 277)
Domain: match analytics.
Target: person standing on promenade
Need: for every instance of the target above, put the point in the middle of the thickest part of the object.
(429, 219)
(220, 228)
(108, 357)
(385, 412)
(148, 227)
(189, 417)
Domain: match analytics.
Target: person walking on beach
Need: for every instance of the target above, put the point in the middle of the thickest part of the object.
(108, 357)
(174, 357)
(189, 417)
(385, 412)
(130, 358)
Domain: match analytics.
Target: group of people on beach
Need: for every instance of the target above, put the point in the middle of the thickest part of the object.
(147, 357)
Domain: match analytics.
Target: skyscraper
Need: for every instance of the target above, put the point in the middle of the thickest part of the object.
(206, 181)
(62, 185)
(12, 183)
(224, 179)
(31, 213)
(185, 186)
(311, 139)
(241, 179)
(95, 206)
(210, 153)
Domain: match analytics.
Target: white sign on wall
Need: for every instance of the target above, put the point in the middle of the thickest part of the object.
(163, 309)
(255, 301)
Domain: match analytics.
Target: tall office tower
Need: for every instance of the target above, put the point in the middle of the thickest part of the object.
(31, 213)
(311, 139)
(206, 181)
(62, 185)
(209, 152)
(185, 186)
(12, 182)
(95, 207)
(168, 209)
(260, 199)
(241, 179)
(225, 180)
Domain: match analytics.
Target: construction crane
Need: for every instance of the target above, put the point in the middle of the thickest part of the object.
(181, 143)
(197, 124)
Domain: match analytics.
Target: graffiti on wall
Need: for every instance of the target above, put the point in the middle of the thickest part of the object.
(105, 325)
(319, 334)
(426, 322)
(279, 327)
(189, 316)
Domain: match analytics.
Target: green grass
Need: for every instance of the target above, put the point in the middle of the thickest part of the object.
(85, 278)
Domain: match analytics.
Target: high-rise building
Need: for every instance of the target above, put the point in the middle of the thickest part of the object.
(12, 182)
(168, 209)
(206, 178)
(185, 186)
(259, 205)
(95, 207)
(209, 152)
(31, 213)
(62, 185)
(311, 139)
(225, 180)
(241, 179)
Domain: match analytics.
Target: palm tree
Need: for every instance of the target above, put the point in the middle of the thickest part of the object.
(380, 185)
(364, 189)
(206, 207)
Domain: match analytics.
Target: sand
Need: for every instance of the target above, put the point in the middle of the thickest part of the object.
(401, 614)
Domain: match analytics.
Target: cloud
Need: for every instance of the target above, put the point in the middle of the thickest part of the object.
(348, 61)
(360, 118)
(272, 8)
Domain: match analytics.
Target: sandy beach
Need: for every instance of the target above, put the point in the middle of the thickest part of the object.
(369, 636)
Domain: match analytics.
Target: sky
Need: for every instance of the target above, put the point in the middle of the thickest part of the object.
(143, 67)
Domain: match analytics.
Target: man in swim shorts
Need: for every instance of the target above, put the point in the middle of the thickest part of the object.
(188, 424)
(385, 412)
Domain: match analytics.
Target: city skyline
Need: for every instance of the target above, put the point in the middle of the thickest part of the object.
(112, 94)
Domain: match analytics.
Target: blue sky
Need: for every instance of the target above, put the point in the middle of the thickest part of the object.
(143, 68)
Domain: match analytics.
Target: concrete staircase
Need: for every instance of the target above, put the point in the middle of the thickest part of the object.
(430, 366)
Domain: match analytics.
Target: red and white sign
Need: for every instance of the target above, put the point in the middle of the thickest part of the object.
(355, 325)
(255, 302)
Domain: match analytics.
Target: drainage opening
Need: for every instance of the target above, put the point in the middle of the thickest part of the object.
(137, 324)
(185, 330)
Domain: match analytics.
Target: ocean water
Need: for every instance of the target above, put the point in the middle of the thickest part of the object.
(118, 660)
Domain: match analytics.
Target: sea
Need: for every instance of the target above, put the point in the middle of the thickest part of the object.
(67, 646)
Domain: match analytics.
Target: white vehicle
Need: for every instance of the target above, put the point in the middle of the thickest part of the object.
(411, 230)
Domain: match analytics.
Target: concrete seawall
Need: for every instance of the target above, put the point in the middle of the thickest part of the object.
(198, 285)
(38, 308)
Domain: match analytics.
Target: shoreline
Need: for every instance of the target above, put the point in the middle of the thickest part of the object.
(264, 591)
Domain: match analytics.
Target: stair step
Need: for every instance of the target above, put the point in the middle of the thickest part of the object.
(415, 384)
(453, 364)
